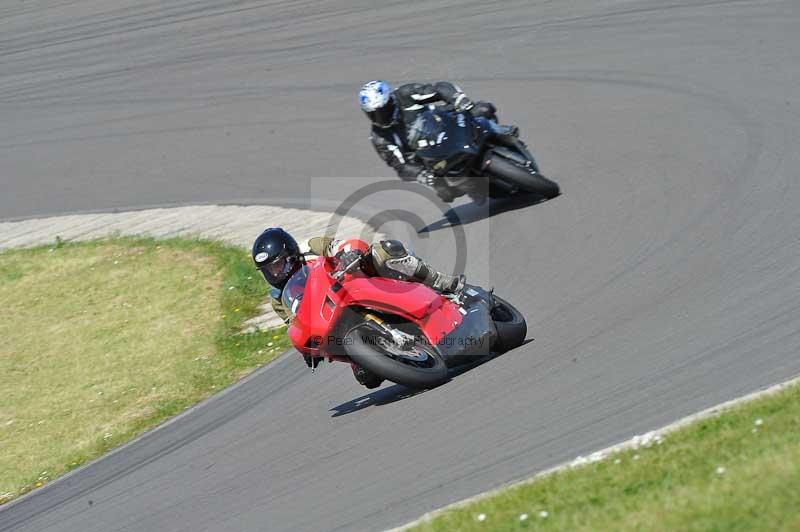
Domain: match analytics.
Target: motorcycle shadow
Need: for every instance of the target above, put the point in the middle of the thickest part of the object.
(381, 396)
(468, 213)
(397, 392)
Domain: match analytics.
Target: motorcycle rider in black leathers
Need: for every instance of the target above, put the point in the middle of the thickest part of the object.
(392, 112)
(277, 255)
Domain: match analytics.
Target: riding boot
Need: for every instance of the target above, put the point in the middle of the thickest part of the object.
(449, 284)
(391, 259)
(508, 130)
(506, 135)
(445, 192)
(440, 281)
(366, 377)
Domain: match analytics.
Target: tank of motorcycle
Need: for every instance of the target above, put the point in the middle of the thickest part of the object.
(415, 302)
(445, 138)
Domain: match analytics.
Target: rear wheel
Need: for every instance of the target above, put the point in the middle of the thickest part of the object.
(527, 179)
(510, 325)
(417, 366)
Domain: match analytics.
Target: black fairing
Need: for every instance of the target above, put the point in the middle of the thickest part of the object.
(446, 140)
(509, 154)
(457, 147)
(476, 335)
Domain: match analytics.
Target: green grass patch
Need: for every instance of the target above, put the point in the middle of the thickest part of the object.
(738, 471)
(106, 339)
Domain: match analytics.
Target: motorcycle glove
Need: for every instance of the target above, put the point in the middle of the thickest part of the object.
(426, 177)
(463, 103)
(346, 258)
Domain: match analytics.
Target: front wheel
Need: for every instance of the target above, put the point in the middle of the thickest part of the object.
(526, 179)
(415, 366)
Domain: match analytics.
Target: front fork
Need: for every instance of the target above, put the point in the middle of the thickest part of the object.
(400, 338)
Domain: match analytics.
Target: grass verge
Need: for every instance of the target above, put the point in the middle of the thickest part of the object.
(106, 339)
(737, 471)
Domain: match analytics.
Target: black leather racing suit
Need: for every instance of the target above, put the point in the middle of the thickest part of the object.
(412, 99)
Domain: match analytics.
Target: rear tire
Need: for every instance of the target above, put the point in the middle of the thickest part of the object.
(527, 179)
(510, 325)
(364, 346)
(497, 192)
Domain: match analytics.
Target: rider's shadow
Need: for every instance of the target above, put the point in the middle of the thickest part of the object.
(470, 212)
(397, 392)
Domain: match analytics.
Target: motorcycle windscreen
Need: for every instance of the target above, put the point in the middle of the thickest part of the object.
(430, 130)
(293, 291)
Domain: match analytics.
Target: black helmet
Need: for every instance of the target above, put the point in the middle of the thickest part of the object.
(277, 255)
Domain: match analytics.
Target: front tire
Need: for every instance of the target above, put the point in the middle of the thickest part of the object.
(527, 179)
(420, 366)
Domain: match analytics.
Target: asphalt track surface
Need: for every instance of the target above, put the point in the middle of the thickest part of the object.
(664, 280)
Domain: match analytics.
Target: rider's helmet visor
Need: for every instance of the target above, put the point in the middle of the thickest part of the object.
(383, 116)
(279, 266)
(279, 269)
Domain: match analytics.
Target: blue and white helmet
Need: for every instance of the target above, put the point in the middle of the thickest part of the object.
(377, 101)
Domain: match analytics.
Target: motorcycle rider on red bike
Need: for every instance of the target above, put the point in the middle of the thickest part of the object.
(277, 255)
(393, 112)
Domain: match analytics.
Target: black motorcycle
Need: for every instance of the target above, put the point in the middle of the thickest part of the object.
(472, 159)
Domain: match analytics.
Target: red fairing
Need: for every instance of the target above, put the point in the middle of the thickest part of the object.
(435, 315)
(308, 322)
(324, 300)
(410, 300)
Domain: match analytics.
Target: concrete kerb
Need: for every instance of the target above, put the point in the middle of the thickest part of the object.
(234, 224)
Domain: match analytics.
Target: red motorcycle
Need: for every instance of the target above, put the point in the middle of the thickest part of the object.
(401, 331)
